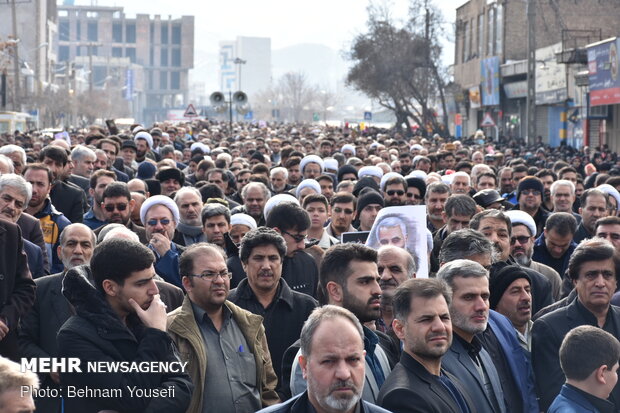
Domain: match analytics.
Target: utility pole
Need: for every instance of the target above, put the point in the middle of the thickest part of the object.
(531, 72)
(16, 91)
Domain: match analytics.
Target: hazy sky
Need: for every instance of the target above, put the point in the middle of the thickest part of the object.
(330, 22)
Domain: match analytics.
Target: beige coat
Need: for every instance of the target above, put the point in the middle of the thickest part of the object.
(186, 334)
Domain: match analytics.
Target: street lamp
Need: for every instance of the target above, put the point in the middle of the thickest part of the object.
(238, 61)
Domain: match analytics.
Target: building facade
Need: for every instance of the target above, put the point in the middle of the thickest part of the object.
(146, 57)
(490, 65)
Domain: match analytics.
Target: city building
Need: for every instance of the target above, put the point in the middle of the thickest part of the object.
(245, 64)
(491, 67)
(143, 59)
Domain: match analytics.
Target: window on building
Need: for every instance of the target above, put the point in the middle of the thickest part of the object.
(151, 83)
(152, 32)
(117, 32)
(164, 57)
(480, 35)
(130, 52)
(176, 57)
(116, 15)
(499, 30)
(491, 32)
(93, 35)
(176, 34)
(63, 30)
(163, 80)
(92, 14)
(100, 74)
(78, 31)
(63, 13)
(164, 34)
(94, 50)
(130, 33)
(78, 51)
(175, 80)
(117, 52)
(63, 53)
(467, 42)
(152, 56)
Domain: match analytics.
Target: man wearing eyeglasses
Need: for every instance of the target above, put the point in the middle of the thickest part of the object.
(299, 269)
(117, 206)
(395, 191)
(160, 216)
(529, 199)
(225, 345)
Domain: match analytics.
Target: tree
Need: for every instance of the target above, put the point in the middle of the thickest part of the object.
(297, 94)
(400, 65)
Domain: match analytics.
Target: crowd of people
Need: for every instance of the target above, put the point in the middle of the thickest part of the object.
(241, 250)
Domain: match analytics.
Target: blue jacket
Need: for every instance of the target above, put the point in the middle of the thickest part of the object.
(570, 401)
(167, 266)
(519, 363)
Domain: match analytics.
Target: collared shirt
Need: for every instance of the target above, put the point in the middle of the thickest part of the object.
(283, 318)
(525, 339)
(602, 405)
(230, 380)
(609, 326)
(91, 221)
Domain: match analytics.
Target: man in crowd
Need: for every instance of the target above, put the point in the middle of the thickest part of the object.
(317, 207)
(418, 383)
(437, 194)
(225, 340)
(124, 302)
(368, 206)
(589, 360)
(216, 224)
(529, 197)
(255, 195)
(461, 183)
(40, 206)
(592, 269)
(555, 246)
(117, 207)
(342, 214)
(279, 178)
(394, 190)
(563, 197)
(265, 293)
(594, 205)
(160, 216)
(609, 228)
(469, 311)
(395, 266)
(511, 296)
(99, 181)
(522, 248)
(331, 333)
(189, 231)
(171, 180)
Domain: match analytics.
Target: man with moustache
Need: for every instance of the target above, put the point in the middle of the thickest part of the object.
(117, 206)
(469, 311)
(522, 249)
(342, 214)
(15, 193)
(334, 334)
(435, 199)
(189, 231)
(349, 278)
(220, 339)
(418, 382)
(99, 181)
(40, 206)
(395, 266)
(266, 293)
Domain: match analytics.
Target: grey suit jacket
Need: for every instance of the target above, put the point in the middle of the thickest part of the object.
(31, 230)
(458, 363)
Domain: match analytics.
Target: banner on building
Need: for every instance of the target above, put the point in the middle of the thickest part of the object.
(603, 72)
(489, 70)
(550, 76)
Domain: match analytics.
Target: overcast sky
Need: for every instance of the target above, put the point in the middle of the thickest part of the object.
(333, 23)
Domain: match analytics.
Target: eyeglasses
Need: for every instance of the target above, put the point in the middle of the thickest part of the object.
(296, 237)
(112, 207)
(521, 239)
(393, 192)
(210, 275)
(411, 195)
(153, 222)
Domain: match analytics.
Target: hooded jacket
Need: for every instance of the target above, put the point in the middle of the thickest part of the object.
(186, 334)
(95, 334)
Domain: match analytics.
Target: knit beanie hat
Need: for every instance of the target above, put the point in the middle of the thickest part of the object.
(530, 182)
(369, 198)
(501, 280)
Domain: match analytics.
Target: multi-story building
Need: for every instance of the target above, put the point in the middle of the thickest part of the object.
(490, 64)
(33, 36)
(149, 57)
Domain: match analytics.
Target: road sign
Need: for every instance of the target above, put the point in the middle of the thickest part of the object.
(249, 116)
(458, 119)
(367, 115)
(190, 112)
(487, 120)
